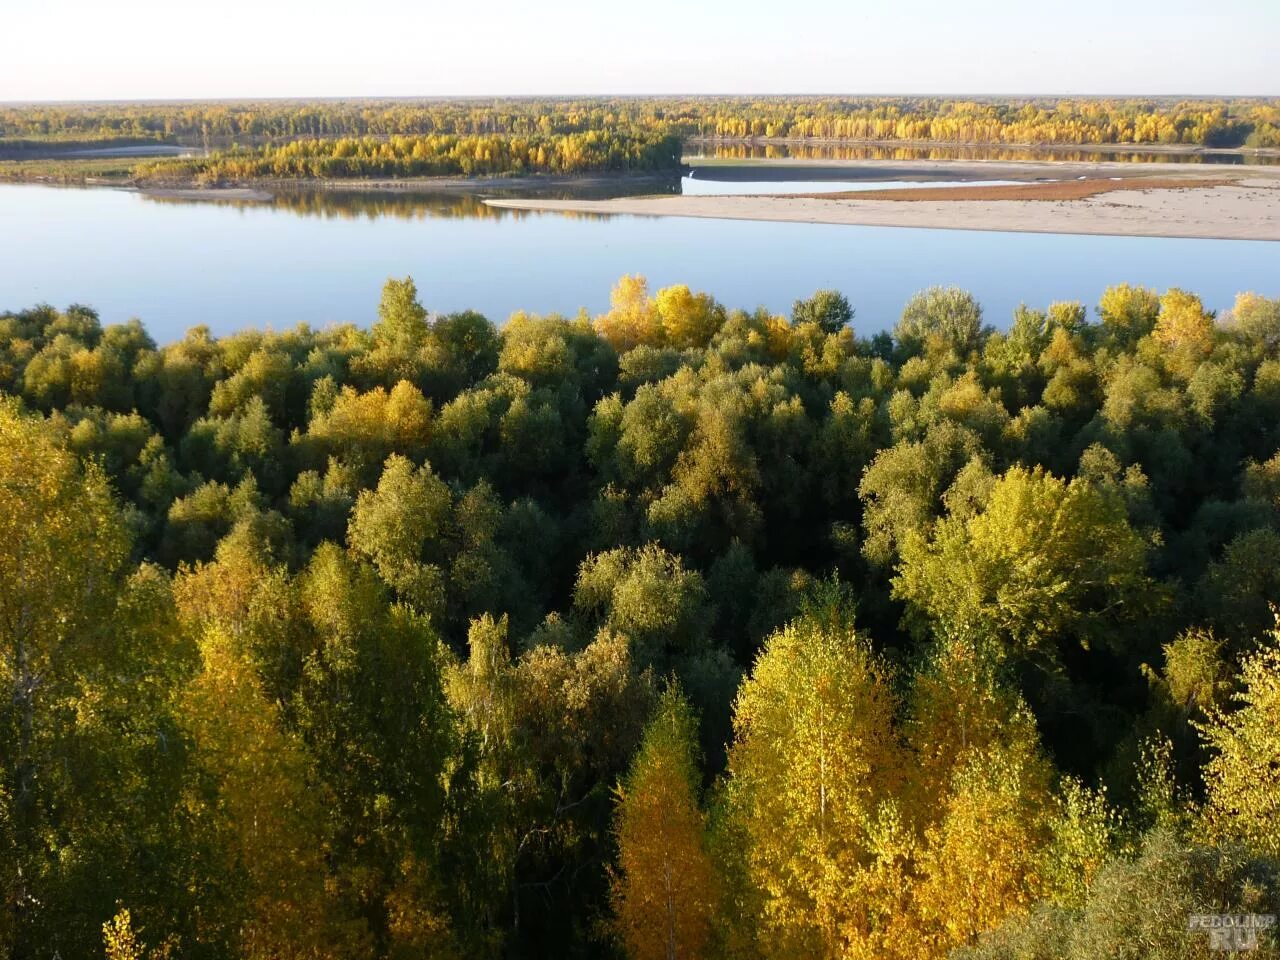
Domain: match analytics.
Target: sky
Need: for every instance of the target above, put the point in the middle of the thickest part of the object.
(162, 49)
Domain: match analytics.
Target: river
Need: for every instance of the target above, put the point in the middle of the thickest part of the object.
(320, 258)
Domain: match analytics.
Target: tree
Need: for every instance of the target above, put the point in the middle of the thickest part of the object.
(829, 309)
(649, 596)
(400, 333)
(1139, 906)
(553, 728)
(980, 862)
(813, 759)
(1046, 562)
(1128, 313)
(688, 319)
(63, 546)
(902, 489)
(664, 893)
(404, 527)
(1257, 319)
(269, 814)
(1183, 324)
(1243, 776)
(960, 705)
(947, 316)
(632, 318)
(371, 709)
(90, 658)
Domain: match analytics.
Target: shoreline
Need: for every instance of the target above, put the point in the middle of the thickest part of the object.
(735, 170)
(1248, 209)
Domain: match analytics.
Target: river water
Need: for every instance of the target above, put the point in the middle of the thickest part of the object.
(321, 257)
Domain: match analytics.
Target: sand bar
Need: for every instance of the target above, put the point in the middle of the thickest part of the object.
(1247, 209)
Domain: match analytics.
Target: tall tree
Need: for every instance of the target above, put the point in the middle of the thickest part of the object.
(664, 893)
(814, 759)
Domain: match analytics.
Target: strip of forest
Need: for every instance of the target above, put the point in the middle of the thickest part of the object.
(246, 141)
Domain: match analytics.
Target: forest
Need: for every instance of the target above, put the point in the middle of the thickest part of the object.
(1203, 121)
(679, 631)
(430, 156)
(283, 139)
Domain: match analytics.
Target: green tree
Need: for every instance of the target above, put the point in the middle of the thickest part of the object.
(946, 316)
(829, 309)
(1046, 563)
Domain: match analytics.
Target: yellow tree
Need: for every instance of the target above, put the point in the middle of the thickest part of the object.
(1243, 778)
(632, 318)
(63, 547)
(814, 760)
(269, 816)
(688, 319)
(981, 861)
(664, 893)
(1183, 326)
(958, 706)
(1129, 313)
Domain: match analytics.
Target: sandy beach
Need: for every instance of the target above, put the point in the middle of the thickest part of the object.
(1246, 209)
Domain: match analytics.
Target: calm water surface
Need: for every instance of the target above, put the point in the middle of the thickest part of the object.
(322, 258)
(817, 150)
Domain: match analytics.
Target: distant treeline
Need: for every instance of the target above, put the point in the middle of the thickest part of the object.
(1206, 122)
(430, 156)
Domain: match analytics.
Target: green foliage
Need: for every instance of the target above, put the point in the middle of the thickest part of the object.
(1140, 907)
(946, 318)
(829, 309)
(361, 628)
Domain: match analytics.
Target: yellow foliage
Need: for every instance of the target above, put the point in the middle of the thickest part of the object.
(1243, 778)
(664, 893)
(980, 861)
(957, 709)
(688, 319)
(1183, 324)
(632, 318)
(814, 759)
(269, 814)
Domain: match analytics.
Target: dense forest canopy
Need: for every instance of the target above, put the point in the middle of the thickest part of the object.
(680, 631)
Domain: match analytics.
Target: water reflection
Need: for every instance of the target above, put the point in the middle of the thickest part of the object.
(706, 150)
(423, 204)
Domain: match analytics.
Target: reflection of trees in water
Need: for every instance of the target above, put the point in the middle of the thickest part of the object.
(756, 150)
(416, 205)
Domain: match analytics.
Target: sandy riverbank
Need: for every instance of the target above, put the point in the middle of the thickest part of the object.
(1248, 209)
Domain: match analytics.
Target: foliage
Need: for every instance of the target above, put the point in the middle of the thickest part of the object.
(338, 643)
(664, 893)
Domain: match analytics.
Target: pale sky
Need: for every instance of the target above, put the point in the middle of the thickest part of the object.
(140, 49)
